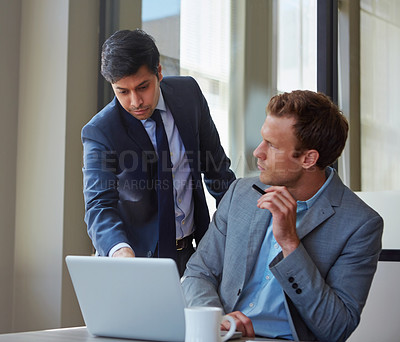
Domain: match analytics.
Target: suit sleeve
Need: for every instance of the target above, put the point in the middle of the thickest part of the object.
(204, 270)
(331, 307)
(100, 189)
(214, 163)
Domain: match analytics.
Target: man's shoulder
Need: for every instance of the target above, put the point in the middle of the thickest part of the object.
(356, 205)
(180, 83)
(249, 181)
(105, 117)
(347, 202)
(243, 187)
(178, 80)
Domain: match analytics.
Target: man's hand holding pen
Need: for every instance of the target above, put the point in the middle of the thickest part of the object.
(282, 205)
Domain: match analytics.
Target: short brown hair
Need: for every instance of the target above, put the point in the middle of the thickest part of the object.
(320, 125)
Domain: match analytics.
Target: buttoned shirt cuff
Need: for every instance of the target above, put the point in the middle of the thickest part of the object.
(118, 246)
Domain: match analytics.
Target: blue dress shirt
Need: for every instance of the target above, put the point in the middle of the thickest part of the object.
(262, 298)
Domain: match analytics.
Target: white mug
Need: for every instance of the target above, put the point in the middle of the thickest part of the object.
(203, 324)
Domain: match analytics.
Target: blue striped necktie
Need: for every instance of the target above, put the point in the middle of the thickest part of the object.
(164, 186)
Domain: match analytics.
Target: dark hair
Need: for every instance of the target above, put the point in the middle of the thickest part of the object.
(125, 52)
(320, 125)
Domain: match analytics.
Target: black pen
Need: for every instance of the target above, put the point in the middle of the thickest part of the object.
(257, 188)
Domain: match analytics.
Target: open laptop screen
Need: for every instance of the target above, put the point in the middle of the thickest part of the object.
(139, 298)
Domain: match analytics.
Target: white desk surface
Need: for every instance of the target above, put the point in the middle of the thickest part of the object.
(79, 334)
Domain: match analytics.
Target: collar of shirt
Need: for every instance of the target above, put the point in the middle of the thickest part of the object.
(160, 106)
(305, 205)
(150, 125)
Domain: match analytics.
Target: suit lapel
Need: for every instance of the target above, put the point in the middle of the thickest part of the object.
(321, 210)
(136, 131)
(183, 119)
(251, 250)
(258, 228)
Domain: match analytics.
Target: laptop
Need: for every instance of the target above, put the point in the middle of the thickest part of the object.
(137, 298)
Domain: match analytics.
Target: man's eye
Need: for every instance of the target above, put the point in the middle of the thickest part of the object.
(142, 87)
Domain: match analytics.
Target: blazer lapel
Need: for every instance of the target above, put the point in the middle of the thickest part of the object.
(257, 230)
(319, 212)
(136, 131)
(251, 250)
(183, 120)
(323, 208)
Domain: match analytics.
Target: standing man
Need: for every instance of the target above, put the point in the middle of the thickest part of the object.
(297, 261)
(144, 156)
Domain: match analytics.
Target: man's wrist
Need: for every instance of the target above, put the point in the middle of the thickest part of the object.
(290, 248)
(117, 247)
(124, 252)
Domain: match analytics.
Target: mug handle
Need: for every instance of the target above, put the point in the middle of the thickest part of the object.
(231, 329)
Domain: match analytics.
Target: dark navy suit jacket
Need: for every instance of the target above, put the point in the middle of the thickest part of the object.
(120, 169)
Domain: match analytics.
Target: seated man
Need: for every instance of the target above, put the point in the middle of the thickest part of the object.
(296, 262)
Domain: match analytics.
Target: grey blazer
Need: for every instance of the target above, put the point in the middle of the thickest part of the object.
(333, 266)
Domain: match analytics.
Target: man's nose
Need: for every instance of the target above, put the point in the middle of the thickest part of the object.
(136, 100)
(258, 153)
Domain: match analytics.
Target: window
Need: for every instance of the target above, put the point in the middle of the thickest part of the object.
(193, 38)
(297, 36)
(161, 19)
(380, 101)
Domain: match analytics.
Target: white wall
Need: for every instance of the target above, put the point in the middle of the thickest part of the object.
(48, 91)
(386, 203)
(40, 164)
(48, 86)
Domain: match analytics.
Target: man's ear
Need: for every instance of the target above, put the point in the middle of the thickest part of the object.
(159, 72)
(310, 159)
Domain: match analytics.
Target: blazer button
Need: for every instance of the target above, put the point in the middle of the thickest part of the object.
(149, 254)
(295, 285)
(291, 279)
(298, 291)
